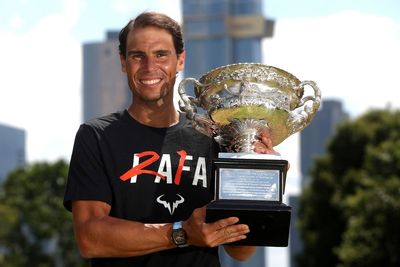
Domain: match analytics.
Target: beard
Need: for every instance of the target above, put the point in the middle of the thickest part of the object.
(150, 96)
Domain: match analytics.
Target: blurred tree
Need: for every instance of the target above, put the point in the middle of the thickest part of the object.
(350, 213)
(35, 229)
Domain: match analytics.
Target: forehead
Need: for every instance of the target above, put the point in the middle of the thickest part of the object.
(145, 37)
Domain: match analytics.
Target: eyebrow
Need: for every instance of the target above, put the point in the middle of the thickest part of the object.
(139, 52)
(135, 52)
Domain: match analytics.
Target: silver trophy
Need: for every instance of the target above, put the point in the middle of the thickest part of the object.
(236, 104)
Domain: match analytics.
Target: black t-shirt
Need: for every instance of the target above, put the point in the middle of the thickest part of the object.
(146, 174)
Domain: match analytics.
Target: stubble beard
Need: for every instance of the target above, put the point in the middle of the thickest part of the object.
(163, 96)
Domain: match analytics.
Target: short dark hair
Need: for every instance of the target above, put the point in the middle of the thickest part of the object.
(155, 19)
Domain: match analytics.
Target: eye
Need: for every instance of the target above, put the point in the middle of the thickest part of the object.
(162, 54)
(136, 56)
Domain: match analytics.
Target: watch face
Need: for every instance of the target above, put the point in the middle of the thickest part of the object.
(179, 237)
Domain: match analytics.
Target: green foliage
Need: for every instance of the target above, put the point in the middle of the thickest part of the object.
(372, 237)
(35, 229)
(350, 213)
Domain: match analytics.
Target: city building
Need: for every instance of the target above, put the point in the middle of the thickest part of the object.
(105, 88)
(12, 149)
(313, 141)
(295, 244)
(314, 138)
(222, 32)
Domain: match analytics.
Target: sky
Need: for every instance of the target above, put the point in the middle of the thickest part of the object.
(350, 48)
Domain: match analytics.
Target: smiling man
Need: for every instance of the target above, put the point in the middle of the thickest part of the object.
(151, 64)
(139, 178)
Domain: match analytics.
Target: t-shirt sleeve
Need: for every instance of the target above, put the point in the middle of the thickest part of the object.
(87, 178)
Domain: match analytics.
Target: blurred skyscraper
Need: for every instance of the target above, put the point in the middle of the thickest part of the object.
(221, 32)
(313, 142)
(12, 149)
(295, 244)
(105, 88)
(314, 138)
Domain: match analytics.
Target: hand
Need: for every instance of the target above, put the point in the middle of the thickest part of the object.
(264, 143)
(200, 233)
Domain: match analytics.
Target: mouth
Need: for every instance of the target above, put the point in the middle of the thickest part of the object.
(150, 81)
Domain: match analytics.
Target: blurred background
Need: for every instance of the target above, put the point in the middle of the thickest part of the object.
(59, 67)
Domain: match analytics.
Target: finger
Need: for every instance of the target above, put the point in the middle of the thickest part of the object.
(263, 149)
(237, 229)
(259, 147)
(232, 233)
(220, 224)
(226, 235)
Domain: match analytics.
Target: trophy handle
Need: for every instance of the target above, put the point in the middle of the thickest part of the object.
(303, 114)
(188, 104)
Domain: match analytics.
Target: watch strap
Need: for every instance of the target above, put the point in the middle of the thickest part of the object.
(177, 225)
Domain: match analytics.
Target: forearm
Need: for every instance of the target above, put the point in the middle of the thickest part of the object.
(240, 253)
(113, 237)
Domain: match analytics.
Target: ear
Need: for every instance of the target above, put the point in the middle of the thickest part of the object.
(123, 63)
(181, 61)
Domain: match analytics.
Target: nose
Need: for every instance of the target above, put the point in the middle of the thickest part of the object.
(149, 63)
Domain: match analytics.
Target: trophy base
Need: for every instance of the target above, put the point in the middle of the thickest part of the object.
(252, 189)
(269, 223)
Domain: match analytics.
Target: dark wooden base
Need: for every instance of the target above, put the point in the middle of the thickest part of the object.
(269, 223)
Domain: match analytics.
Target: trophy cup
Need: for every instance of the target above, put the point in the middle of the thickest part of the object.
(238, 103)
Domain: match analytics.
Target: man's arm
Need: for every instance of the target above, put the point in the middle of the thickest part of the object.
(240, 253)
(99, 235)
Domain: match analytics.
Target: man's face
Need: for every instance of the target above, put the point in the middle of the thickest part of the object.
(151, 64)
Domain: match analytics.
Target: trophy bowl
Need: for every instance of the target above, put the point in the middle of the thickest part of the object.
(240, 100)
(237, 105)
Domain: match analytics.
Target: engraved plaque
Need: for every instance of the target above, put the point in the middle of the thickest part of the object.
(249, 184)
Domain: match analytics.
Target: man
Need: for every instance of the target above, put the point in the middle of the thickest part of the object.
(139, 179)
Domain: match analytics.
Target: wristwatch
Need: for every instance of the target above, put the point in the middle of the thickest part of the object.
(179, 235)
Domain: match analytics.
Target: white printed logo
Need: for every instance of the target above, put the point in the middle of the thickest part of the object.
(170, 206)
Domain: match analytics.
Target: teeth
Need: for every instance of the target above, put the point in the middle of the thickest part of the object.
(150, 81)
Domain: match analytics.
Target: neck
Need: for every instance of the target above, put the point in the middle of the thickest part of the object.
(159, 117)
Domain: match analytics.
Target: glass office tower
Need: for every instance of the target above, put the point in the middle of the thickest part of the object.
(314, 138)
(12, 149)
(105, 88)
(221, 32)
(217, 33)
